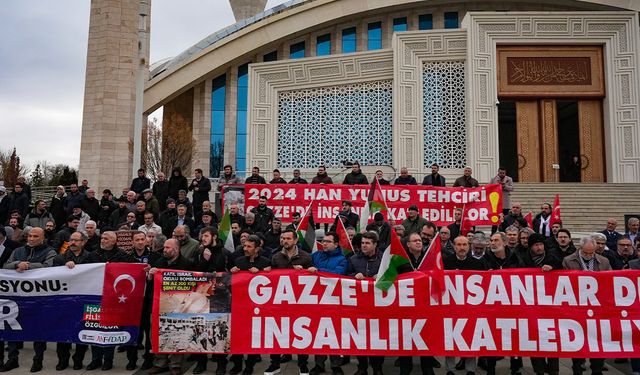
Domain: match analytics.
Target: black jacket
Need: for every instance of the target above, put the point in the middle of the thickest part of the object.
(263, 218)
(355, 179)
(409, 180)
(92, 207)
(9, 246)
(368, 266)
(512, 260)
(58, 208)
(177, 183)
(139, 184)
(20, 202)
(549, 259)
(255, 180)
(259, 262)
(469, 263)
(218, 262)
(69, 256)
(202, 194)
(161, 192)
(298, 180)
(114, 255)
(72, 200)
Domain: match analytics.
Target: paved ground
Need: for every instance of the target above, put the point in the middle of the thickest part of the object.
(287, 369)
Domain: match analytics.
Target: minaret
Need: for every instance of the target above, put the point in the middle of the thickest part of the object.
(118, 48)
(243, 9)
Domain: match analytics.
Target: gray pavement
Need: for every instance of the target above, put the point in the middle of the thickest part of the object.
(289, 368)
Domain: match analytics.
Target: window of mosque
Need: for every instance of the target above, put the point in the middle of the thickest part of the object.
(374, 36)
(271, 56)
(241, 120)
(323, 45)
(329, 125)
(400, 24)
(218, 100)
(349, 40)
(451, 20)
(444, 114)
(425, 22)
(296, 50)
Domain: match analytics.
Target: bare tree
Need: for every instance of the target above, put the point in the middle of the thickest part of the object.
(165, 148)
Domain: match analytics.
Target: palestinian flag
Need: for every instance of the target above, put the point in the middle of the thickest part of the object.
(224, 232)
(345, 242)
(375, 203)
(307, 231)
(392, 258)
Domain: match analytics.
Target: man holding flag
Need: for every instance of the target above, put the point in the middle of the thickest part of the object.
(375, 204)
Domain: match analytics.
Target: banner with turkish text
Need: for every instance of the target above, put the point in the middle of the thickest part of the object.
(437, 204)
(58, 304)
(498, 313)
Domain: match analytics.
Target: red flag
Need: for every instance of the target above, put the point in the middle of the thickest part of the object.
(432, 262)
(345, 242)
(555, 214)
(122, 294)
(529, 218)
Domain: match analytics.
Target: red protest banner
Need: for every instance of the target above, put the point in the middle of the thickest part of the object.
(497, 313)
(437, 204)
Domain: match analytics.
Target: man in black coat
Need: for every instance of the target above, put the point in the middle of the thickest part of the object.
(19, 200)
(263, 215)
(356, 177)
(177, 182)
(5, 205)
(161, 190)
(91, 205)
(462, 260)
(140, 183)
(255, 177)
(201, 186)
(6, 246)
(435, 178)
(611, 234)
(538, 257)
(349, 217)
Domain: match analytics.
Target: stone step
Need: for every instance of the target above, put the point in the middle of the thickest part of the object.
(585, 207)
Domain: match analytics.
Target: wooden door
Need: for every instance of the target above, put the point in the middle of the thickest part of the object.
(549, 140)
(528, 141)
(591, 140)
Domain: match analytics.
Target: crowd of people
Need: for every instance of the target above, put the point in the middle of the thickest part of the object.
(174, 232)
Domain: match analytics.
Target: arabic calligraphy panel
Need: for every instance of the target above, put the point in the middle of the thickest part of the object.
(550, 71)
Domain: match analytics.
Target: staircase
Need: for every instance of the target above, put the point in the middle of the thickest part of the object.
(585, 207)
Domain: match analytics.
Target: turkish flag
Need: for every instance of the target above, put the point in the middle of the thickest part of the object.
(529, 218)
(555, 214)
(432, 262)
(122, 294)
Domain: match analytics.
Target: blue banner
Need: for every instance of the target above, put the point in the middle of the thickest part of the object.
(57, 304)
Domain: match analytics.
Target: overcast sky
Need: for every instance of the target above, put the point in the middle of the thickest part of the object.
(42, 66)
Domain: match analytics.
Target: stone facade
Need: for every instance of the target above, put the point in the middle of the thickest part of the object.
(110, 92)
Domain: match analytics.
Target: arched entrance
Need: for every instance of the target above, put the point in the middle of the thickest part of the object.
(550, 112)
